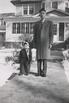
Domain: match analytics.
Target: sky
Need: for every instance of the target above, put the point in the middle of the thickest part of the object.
(6, 6)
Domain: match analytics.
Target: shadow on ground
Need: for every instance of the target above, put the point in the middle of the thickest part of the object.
(42, 92)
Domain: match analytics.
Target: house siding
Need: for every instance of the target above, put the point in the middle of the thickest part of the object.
(19, 8)
(37, 7)
(10, 37)
(61, 5)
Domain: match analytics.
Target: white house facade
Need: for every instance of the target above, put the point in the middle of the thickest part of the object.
(26, 15)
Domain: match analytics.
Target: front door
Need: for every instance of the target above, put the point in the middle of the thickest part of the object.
(61, 31)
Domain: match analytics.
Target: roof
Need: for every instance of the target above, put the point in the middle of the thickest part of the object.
(34, 18)
(37, 0)
(58, 12)
(56, 0)
(2, 15)
(24, 1)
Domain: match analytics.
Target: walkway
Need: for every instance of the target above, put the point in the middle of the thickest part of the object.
(33, 89)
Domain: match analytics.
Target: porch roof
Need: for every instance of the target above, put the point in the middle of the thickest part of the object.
(22, 19)
(35, 19)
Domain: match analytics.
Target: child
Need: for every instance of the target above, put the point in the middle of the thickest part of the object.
(24, 59)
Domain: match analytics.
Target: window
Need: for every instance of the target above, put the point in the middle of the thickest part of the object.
(66, 4)
(4, 23)
(28, 10)
(31, 28)
(55, 5)
(43, 5)
(27, 27)
(14, 28)
(54, 29)
(31, 10)
(67, 7)
(22, 28)
(18, 27)
(25, 10)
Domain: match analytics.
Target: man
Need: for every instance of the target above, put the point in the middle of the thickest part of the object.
(42, 41)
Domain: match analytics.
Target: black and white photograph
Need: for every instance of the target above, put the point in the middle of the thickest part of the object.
(34, 51)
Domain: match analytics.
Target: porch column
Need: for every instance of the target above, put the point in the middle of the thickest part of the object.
(57, 31)
(22, 11)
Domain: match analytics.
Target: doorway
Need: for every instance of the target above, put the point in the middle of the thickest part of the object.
(61, 31)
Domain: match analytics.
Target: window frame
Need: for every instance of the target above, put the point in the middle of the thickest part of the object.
(55, 29)
(25, 8)
(28, 8)
(56, 4)
(24, 27)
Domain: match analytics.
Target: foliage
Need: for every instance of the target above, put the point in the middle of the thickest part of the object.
(26, 37)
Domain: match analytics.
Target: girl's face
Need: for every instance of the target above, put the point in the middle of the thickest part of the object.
(26, 46)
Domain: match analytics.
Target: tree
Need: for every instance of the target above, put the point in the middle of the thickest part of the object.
(26, 38)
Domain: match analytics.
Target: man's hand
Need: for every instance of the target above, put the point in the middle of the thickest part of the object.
(50, 46)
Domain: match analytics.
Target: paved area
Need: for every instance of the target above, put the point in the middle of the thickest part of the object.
(6, 68)
(65, 64)
(33, 89)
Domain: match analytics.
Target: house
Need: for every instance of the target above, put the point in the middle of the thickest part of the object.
(59, 8)
(2, 33)
(3, 27)
(27, 14)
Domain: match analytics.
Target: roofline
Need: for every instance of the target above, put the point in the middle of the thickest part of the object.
(67, 14)
(20, 2)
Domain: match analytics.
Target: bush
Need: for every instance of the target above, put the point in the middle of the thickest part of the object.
(7, 59)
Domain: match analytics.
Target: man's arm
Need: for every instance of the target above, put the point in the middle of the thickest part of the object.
(35, 35)
(51, 34)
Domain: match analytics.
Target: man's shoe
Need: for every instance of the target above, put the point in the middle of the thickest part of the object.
(43, 75)
(20, 74)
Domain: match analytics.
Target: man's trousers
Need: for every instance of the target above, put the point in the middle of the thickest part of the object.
(42, 67)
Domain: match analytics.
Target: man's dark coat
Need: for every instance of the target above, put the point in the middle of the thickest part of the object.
(42, 38)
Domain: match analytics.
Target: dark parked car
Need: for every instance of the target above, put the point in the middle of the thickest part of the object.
(63, 45)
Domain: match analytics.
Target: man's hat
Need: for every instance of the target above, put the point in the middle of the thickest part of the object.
(42, 9)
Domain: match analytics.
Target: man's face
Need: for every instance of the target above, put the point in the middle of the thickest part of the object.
(42, 14)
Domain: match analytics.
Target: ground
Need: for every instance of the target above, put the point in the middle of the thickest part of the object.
(35, 89)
